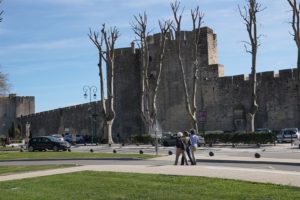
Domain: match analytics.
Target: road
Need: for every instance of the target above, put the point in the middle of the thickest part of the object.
(282, 151)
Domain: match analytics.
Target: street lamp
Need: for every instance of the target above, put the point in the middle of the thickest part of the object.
(90, 91)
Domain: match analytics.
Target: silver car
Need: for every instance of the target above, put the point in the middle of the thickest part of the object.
(288, 135)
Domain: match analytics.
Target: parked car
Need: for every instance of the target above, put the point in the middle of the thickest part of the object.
(288, 135)
(170, 139)
(79, 138)
(60, 137)
(263, 130)
(47, 143)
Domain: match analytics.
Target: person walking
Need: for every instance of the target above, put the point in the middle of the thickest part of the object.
(180, 148)
(194, 144)
(187, 141)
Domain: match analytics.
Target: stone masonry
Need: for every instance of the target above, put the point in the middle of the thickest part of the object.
(222, 101)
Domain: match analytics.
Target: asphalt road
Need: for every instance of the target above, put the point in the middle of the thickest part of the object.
(282, 151)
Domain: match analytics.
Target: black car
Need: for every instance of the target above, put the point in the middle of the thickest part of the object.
(170, 140)
(47, 143)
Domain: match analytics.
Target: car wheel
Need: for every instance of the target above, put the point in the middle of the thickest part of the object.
(30, 149)
(55, 148)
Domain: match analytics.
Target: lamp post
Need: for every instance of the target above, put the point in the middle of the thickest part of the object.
(90, 91)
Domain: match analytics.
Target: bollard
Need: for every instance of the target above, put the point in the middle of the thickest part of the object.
(257, 155)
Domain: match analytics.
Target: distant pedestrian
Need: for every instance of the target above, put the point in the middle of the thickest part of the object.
(194, 144)
(180, 148)
(187, 141)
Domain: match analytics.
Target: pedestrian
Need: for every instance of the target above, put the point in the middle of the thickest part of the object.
(180, 148)
(194, 144)
(187, 141)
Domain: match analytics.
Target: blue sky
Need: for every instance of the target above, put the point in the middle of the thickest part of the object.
(45, 50)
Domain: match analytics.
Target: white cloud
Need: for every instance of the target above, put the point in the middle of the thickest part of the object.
(59, 44)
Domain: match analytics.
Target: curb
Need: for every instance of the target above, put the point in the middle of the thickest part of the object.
(248, 162)
(58, 159)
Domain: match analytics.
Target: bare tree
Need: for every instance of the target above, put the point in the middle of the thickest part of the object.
(295, 23)
(1, 12)
(108, 39)
(4, 87)
(164, 30)
(197, 18)
(248, 14)
(139, 27)
(148, 94)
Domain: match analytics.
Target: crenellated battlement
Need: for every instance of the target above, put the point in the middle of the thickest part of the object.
(185, 36)
(58, 110)
(267, 76)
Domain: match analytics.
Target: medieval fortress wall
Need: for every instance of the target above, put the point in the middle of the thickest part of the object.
(12, 107)
(225, 100)
(76, 119)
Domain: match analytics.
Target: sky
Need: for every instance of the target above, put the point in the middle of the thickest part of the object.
(45, 50)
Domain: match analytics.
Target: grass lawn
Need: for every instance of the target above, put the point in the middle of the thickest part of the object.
(107, 185)
(5, 170)
(51, 154)
(8, 148)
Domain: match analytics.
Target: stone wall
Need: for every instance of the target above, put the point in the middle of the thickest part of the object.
(14, 106)
(74, 120)
(226, 100)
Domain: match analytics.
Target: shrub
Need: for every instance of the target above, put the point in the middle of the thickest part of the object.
(246, 138)
(142, 138)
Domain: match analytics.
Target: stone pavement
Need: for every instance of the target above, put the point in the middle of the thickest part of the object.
(255, 175)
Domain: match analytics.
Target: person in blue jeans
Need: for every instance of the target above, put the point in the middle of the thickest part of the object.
(194, 144)
(187, 141)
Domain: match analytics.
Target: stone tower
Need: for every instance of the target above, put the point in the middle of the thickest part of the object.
(171, 106)
(12, 107)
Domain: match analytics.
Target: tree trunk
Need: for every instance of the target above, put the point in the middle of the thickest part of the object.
(298, 64)
(108, 132)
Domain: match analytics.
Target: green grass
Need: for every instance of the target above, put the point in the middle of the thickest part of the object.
(5, 170)
(68, 155)
(106, 185)
(8, 148)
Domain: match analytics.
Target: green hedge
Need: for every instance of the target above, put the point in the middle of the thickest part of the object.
(142, 139)
(245, 138)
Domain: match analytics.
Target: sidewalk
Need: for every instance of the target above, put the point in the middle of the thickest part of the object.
(245, 174)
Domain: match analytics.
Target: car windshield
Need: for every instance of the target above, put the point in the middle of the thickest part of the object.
(292, 129)
(54, 139)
